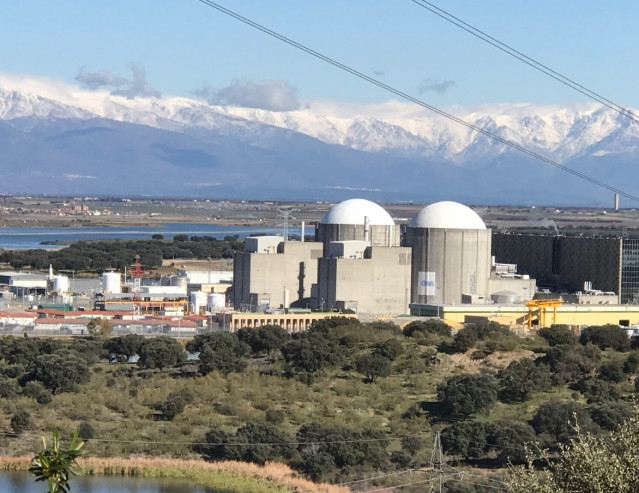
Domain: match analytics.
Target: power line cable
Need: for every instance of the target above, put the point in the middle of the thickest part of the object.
(417, 101)
(525, 58)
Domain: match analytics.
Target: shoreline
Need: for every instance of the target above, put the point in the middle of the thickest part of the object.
(237, 476)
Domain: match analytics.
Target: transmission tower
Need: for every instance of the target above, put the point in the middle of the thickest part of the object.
(285, 215)
(437, 464)
(137, 271)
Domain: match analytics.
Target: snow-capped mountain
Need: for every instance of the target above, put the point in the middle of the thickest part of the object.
(62, 139)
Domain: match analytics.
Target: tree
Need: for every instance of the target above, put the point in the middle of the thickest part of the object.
(390, 349)
(161, 352)
(265, 338)
(259, 442)
(568, 363)
(55, 465)
(553, 420)
(99, 327)
(521, 378)
(222, 351)
(558, 334)
(589, 463)
(373, 366)
(60, 372)
(611, 415)
(463, 395)
(612, 372)
(422, 327)
(510, 438)
(631, 365)
(606, 336)
(124, 347)
(465, 438)
(312, 351)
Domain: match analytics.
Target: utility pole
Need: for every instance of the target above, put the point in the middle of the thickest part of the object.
(438, 474)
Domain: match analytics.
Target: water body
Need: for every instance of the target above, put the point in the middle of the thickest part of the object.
(20, 482)
(29, 238)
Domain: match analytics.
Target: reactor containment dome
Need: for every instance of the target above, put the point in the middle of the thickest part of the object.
(357, 211)
(447, 215)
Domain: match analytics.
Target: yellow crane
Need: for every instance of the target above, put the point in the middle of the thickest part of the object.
(542, 306)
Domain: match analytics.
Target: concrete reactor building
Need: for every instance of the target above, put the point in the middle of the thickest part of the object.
(450, 254)
(358, 263)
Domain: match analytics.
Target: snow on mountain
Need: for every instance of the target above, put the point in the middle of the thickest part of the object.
(393, 127)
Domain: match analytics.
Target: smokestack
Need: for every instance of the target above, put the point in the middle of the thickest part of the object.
(616, 202)
(302, 233)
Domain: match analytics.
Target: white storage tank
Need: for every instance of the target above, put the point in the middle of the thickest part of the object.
(198, 300)
(216, 301)
(61, 284)
(112, 282)
(180, 281)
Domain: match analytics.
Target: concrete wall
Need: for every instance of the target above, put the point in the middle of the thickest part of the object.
(458, 261)
(378, 284)
(259, 276)
(377, 235)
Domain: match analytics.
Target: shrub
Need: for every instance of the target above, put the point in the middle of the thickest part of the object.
(606, 336)
(612, 372)
(421, 327)
(20, 421)
(521, 378)
(275, 416)
(86, 431)
(558, 334)
(556, 419)
(464, 395)
(373, 366)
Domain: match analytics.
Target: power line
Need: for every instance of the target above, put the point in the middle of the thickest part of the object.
(417, 101)
(447, 16)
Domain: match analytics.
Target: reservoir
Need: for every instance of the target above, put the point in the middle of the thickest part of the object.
(30, 238)
(22, 482)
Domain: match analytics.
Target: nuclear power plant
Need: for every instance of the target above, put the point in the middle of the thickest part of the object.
(362, 261)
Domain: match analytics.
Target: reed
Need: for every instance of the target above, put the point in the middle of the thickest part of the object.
(232, 475)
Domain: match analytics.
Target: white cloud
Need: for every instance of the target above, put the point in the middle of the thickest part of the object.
(272, 95)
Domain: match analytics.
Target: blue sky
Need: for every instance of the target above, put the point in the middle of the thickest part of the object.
(181, 46)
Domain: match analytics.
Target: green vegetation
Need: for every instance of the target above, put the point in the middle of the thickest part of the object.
(341, 401)
(55, 465)
(97, 256)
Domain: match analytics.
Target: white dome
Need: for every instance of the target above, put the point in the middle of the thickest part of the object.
(353, 211)
(447, 215)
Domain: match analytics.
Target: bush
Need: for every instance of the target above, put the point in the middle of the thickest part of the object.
(86, 431)
(421, 327)
(611, 415)
(521, 378)
(606, 336)
(558, 334)
(465, 439)
(595, 390)
(510, 440)
(8, 388)
(612, 372)
(275, 416)
(556, 419)
(464, 395)
(161, 352)
(37, 391)
(631, 365)
(390, 349)
(20, 421)
(373, 366)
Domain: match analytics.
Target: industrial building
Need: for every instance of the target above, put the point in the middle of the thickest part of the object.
(363, 262)
(575, 264)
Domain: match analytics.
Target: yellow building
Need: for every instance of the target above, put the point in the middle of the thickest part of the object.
(291, 322)
(517, 315)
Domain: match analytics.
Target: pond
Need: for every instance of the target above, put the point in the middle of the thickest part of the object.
(21, 482)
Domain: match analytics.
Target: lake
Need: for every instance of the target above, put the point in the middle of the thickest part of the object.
(29, 238)
(20, 482)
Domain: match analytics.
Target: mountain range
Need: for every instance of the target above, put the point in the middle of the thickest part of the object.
(63, 140)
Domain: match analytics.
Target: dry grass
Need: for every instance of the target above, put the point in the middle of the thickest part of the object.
(207, 473)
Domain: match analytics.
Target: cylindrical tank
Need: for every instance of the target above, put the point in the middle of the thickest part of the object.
(61, 284)
(216, 301)
(112, 282)
(198, 300)
(505, 298)
(180, 281)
